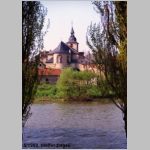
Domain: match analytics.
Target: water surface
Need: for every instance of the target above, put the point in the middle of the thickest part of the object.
(75, 125)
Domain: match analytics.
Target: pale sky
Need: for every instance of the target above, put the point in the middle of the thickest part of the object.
(61, 14)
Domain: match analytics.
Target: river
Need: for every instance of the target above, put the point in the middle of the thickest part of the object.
(87, 125)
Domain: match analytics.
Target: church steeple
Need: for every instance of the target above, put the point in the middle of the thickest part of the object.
(72, 42)
(72, 38)
(72, 31)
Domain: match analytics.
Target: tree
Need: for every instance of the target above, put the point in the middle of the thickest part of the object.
(33, 15)
(74, 84)
(108, 42)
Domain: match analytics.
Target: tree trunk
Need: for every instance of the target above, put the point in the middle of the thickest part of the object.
(125, 119)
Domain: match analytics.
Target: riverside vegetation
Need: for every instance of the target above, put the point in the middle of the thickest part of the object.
(73, 85)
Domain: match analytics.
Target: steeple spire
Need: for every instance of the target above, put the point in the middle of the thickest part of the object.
(72, 31)
(72, 41)
(72, 38)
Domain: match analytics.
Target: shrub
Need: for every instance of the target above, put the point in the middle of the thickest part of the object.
(94, 91)
(74, 83)
(46, 90)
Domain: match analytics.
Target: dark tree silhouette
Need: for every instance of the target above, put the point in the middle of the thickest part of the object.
(108, 42)
(33, 15)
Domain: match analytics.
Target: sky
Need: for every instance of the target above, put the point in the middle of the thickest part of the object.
(65, 14)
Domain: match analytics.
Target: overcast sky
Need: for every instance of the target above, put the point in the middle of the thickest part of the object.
(61, 14)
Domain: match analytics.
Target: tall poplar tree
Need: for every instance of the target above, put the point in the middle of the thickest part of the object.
(108, 42)
(33, 15)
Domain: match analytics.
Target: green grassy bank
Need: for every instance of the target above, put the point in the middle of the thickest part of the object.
(50, 93)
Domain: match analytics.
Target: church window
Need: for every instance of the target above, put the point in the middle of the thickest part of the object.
(71, 45)
(59, 59)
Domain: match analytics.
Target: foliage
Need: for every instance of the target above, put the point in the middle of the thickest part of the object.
(33, 14)
(108, 41)
(46, 90)
(94, 91)
(73, 84)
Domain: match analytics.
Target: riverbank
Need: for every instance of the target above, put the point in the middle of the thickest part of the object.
(47, 93)
(47, 100)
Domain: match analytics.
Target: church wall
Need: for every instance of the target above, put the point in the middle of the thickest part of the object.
(43, 60)
(63, 63)
(92, 69)
(64, 59)
(75, 46)
(59, 66)
(74, 65)
(55, 58)
(49, 56)
(50, 65)
(75, 57)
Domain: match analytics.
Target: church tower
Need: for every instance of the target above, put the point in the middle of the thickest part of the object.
(72, 42)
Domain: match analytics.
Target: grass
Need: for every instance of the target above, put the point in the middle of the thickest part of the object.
(49, 93)
(46, 90)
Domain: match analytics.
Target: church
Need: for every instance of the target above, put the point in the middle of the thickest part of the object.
(66, 54)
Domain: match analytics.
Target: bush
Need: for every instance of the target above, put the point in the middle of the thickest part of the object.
(74, 83)
(46, 90)
(94, 91)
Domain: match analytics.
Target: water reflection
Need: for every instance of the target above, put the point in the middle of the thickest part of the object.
(82, 125)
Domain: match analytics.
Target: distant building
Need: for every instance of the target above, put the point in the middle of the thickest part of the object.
(47, 75)
(64, 55)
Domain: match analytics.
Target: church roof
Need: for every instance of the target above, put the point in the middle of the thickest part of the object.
(62, 48)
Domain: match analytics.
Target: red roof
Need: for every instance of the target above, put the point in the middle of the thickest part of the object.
(47, 71)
